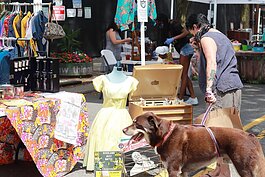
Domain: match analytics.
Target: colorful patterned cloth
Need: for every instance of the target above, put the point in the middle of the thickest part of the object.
(9, 140)
(35, 126)
(127, 10)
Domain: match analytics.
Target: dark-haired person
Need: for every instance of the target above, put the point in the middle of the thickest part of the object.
(218, 76)
(114, 41)
(180, 39)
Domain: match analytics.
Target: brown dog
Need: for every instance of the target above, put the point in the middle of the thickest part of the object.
(185, 148)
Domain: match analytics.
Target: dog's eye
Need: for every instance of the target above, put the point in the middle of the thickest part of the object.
(139, 126)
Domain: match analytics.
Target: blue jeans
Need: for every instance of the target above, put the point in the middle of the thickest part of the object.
(187, 50)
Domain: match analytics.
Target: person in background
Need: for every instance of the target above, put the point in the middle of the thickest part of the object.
(162, 23)
(114, 41)
(183, 47)
(218, 75)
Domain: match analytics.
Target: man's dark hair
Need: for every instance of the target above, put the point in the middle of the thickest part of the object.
(201, 21)
(197, 19)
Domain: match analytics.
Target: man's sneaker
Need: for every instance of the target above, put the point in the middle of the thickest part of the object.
(192, 101)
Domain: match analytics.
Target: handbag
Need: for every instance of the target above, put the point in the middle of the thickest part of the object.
(53, 30)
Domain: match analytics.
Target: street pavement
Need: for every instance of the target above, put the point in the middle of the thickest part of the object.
(252, 116)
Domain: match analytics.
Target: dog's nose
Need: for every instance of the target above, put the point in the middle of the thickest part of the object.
(124, 130)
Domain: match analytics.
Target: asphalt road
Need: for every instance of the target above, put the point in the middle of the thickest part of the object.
(252, 116)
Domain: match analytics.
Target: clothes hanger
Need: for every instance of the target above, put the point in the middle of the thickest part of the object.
(3, 44)
(26, 9)
(2, 47)
(3, 11)
(13, 7)
(9, 45)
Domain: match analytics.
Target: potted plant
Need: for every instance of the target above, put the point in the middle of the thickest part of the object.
(73, 61)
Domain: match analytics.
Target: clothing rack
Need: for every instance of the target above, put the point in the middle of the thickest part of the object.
(25, 4)
(17, 39)
(36, 6)
(14, 39)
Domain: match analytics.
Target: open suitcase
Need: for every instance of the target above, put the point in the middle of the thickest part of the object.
(157, 91)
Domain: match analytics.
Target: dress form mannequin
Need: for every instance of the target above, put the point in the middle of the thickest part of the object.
(116, 75)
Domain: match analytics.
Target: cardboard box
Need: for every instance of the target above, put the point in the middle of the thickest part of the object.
(156, 92)
(225, 117)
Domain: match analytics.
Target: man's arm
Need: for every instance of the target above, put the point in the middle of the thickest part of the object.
(209, 49)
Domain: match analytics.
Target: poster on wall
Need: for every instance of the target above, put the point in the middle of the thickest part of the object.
(71, 12)
(87, 12)
(58, 2)
(79, 12)
(77, 4)
(59, 13)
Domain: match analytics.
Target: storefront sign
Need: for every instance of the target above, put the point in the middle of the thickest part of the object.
(142, 10)
(59, 13)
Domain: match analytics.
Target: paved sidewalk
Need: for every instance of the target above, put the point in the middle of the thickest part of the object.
(253, 100)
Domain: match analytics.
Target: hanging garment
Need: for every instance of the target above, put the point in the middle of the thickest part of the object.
(38, 27)
(113, 117)
(125, 13)
(6, 21)
(11, 32)
(4, 67)
(127, 10)
(33, 43)
(24, 27)
(17, 26)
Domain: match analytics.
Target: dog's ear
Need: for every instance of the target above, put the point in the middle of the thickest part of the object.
(152, 120)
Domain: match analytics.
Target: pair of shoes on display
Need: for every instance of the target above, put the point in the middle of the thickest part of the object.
(192, 101)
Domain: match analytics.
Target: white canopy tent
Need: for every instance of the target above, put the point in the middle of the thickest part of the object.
(216, 2)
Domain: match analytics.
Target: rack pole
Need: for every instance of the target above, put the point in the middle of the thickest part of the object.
(14, 39)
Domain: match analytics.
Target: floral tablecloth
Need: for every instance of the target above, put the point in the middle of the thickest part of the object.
(34, 123)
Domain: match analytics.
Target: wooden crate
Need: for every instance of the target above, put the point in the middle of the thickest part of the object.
(181, 113)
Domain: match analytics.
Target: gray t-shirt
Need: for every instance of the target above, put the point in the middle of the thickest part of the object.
(115, 48)
(227, 76)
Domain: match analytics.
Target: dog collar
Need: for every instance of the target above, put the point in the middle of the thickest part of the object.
(165, 137)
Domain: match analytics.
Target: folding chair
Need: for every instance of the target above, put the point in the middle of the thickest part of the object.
(109, 59)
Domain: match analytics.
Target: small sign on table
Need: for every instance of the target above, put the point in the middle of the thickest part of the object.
(109, 164)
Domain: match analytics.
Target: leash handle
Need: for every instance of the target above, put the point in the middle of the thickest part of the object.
(204, 119)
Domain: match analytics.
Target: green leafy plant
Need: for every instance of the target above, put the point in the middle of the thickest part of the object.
(69, 48)
(70, 42)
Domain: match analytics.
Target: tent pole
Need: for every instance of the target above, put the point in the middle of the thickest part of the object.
(172, 9)
(209, 15)
(142, 45)
(258, 26)
(215, 13)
